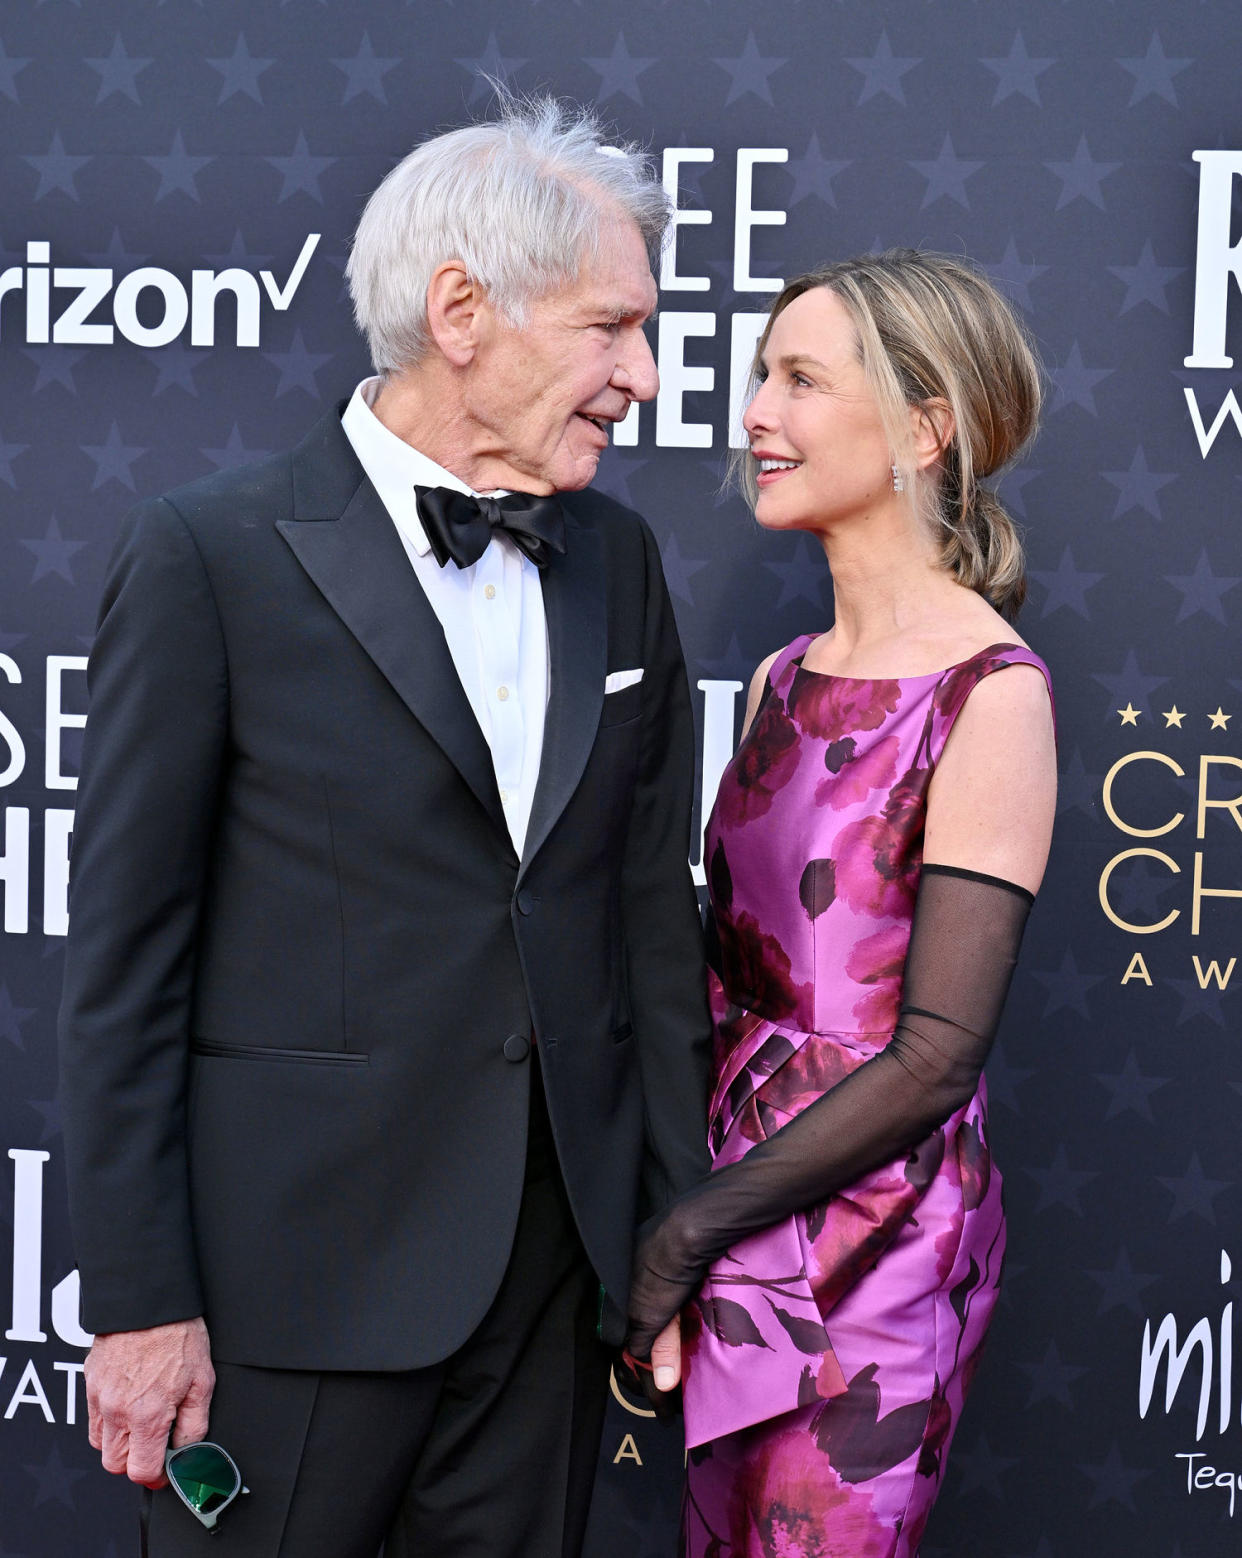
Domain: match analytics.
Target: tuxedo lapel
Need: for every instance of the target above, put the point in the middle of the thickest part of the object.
(359, 565)
(574, 606)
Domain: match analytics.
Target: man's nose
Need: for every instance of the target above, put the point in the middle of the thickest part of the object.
(636, 371)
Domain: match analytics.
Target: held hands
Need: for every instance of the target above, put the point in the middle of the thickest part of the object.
(667, 1272)
(140, 1384)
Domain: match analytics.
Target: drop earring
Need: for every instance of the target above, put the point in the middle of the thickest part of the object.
(899, 481)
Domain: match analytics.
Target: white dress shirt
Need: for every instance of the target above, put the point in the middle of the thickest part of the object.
(491, 613)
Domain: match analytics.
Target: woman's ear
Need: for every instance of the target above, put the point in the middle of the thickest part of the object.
(931, 430)
(455, 306)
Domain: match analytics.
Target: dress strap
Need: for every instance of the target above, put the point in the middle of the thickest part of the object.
(790, 652)
(957, 683)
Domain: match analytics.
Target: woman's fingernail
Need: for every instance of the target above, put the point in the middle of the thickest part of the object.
(665, 1377)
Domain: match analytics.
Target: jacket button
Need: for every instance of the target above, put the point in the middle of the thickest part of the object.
(525, 902)
(516, 1047)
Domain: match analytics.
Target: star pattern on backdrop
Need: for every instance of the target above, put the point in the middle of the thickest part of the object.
(1138, 487)
(1012, 484)
(490, 64)
(1145, 281)
(1153, 73)
(1197, 1001)
(813, 174)
(619, 71)
(750, 71)
(1066, 987)
(1129, 684)
(116, 257)
(679, 570)
(1066, 585)
(233, 452)
(113, 459)
(54, 1480)
(175, 365)
(946, 175)
(802, 576)
(883, 72)
(57, 170)
(53, 553)
(1012, 276)
(55, 365)
(11, 66)
(240, 72)
(1121, 1286)
(1004, 1080)
(1202, 591)
(1051, 1377)
(735, 665)
(1017, 72)
(119, 72)
(1075, 382)
(239, 257)
(1130, 1089)
(300, 171)
(178, 171)
(1082, 176)
(13, 1017)
(298, 367)
(1078, 790)
(365, 72)
(1114, 1481)
(1059, 1184)
(9, 453)
(979, 1469)
(1194, 1193)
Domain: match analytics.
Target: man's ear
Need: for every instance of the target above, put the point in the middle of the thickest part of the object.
(931, 429)
(455, 305)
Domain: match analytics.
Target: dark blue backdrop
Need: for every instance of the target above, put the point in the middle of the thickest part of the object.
(148, 149)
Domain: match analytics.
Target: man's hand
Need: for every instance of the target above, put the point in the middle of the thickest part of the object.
(666, 1356)
(141, 1384)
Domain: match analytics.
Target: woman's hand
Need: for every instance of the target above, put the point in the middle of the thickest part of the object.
(668, 1270)
(666, 1356)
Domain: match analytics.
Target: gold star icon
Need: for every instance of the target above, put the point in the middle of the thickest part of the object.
(1129, 715)
(1173, 716)
(1218, 720)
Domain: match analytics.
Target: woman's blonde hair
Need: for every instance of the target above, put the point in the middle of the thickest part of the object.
(930, 327)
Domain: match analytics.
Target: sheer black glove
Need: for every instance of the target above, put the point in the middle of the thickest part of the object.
(964, 942)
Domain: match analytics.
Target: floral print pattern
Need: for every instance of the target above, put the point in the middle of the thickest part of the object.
(827, 1357)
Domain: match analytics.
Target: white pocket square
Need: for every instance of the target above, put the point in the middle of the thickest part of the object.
(616, 680)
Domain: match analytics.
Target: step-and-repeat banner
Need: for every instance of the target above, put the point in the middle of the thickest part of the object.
(178, 184)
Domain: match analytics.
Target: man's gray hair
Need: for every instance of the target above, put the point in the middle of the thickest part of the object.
(519, 199)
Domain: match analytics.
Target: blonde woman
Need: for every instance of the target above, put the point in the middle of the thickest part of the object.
(872, 857)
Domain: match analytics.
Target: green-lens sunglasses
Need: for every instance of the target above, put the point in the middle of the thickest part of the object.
(205, 1478)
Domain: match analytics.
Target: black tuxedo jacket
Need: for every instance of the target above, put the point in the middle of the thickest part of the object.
(305, 964)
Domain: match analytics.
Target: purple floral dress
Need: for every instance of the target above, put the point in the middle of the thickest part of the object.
(828, 1356)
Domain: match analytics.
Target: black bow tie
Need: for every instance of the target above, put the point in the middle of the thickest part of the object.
(460, 526)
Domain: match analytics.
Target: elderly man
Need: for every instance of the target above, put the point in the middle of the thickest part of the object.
(383, 1015)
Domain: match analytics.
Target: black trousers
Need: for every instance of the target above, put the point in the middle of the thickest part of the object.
(490, 1454)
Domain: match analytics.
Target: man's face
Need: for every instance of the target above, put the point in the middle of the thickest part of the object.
(539, 400)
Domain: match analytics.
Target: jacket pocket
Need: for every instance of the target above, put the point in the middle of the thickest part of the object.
(321, 1057)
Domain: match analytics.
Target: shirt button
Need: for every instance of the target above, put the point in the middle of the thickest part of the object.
(489, 591)
(504, 797)
(503, 694)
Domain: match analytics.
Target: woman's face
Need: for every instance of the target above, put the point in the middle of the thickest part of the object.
(821, 452)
